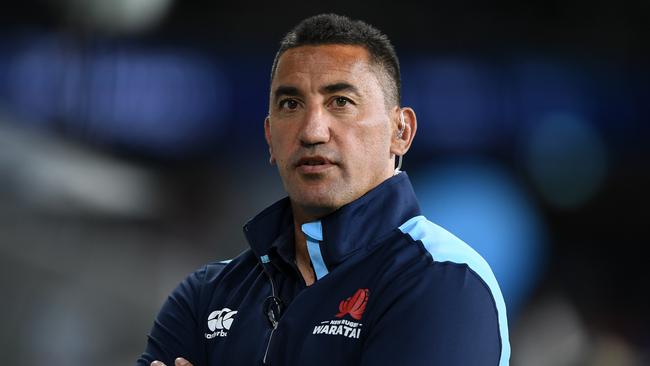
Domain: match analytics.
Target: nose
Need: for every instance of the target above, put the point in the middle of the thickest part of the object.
(315, 128)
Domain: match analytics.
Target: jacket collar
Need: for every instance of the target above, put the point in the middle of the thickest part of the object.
(344, 231)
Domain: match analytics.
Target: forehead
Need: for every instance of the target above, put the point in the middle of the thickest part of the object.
(324, 63)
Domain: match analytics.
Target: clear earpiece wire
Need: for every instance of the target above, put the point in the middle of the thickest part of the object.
(402, 127)
(399, 165)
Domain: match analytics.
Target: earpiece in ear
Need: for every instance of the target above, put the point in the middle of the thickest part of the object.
(402, 125)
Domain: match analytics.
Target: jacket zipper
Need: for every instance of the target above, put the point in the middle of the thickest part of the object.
(274, 323)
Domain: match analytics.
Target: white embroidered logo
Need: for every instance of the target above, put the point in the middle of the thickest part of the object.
(219, 322)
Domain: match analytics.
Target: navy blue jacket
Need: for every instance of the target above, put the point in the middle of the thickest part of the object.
(392, 289)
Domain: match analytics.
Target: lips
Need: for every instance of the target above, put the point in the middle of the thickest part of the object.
(314, 164)
(313, 160)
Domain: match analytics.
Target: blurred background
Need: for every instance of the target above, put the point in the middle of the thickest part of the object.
(132, 152)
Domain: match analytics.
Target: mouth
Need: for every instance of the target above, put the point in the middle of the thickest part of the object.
(314, 164)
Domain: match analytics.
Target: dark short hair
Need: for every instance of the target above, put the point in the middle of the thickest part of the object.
(326, 29)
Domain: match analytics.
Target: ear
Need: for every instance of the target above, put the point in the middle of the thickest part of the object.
(267, 136)
(401, 142)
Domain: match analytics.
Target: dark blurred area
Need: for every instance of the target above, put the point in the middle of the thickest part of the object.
(132, 152)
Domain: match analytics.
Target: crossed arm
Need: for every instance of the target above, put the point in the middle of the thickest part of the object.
(178, 362)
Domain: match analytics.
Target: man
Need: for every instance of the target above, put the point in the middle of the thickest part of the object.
(345, 270)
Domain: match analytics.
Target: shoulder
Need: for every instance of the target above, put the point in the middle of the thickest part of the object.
(200, 286)
(214, 272)
(444, 247)
(457, 278)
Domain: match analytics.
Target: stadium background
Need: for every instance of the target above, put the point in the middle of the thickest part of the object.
(131, 152)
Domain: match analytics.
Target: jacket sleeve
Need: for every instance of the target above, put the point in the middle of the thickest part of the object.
(175, 329)
(448, 317)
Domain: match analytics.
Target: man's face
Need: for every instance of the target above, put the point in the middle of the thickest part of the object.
(328, 129)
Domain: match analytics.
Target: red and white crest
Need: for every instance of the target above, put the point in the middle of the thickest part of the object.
(354, 305)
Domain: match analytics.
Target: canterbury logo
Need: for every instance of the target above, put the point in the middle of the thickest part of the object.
(219, 322)
(355, 305)
(221, 319)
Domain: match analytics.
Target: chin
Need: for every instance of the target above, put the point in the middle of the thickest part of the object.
(321, 196)
(317, 201)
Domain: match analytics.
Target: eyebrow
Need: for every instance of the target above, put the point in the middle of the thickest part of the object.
(292, 91)
(338, 87)
(283, 90)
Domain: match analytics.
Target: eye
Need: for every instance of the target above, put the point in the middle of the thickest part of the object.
(341, 101)
(290, 104)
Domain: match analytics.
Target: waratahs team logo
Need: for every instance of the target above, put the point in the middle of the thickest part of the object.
(219, 322)
(354, 306)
